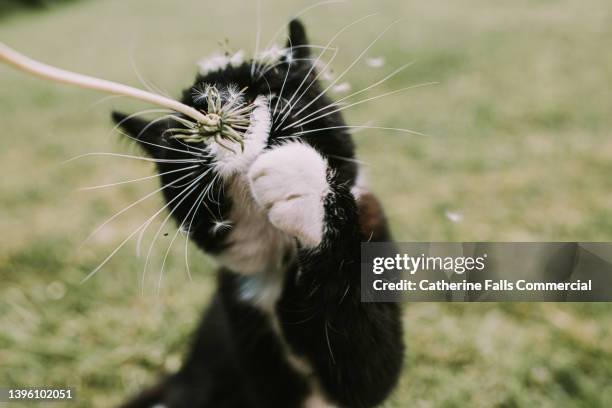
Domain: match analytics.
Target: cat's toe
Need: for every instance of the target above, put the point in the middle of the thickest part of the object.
(290, 183)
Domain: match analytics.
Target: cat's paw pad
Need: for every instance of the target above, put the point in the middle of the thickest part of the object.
(290, 183)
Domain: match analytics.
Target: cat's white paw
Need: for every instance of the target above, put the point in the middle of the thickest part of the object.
(237, 159)
(290, 184)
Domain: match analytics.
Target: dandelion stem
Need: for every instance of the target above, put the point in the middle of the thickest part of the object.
(26, 64)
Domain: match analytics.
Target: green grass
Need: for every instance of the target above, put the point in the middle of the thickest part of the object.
(520, 146)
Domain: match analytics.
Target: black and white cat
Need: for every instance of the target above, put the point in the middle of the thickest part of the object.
(284, 216)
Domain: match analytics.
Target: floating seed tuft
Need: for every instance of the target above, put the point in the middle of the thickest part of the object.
(227, 119)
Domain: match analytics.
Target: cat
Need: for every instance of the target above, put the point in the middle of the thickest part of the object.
(284, 215)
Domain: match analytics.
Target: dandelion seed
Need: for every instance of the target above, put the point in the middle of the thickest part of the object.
(327, 76)
(453, 216)
(376, 62)
(342, 88)
(234, 95)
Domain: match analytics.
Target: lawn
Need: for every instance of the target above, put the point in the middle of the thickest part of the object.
(519, 148)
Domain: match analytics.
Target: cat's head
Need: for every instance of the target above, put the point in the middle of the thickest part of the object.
(285, 103)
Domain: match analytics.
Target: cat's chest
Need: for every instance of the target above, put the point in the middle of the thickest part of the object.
(254, 245)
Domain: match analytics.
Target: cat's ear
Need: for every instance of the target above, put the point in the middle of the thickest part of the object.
(298, 42)
(149, 135)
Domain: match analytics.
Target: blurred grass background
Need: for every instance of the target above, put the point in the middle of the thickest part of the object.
(520, 150)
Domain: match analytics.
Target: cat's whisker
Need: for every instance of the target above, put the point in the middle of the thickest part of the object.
(151, 123)
(329, 347)
(355, 61)
(154, 121)
(319, 73)
(161, 272)
(197, 201)
(301, 13)
(94, 232)
(128, 156)
(375, 84)
(280, 95)
(186, 192)
(151, 87)
(209, 188)
(103, 99)
(145, 225)
(313, 46)
(368, 123)
(306, 132)
(141, 235)
(188, 232)
(136, 114)
(137, 179)
(270, 67)
(257, 37)
(269, 90)
(204, 153)
(220, 192)
(137, 139)
(342, 108)
(286, 58)
(333, 38)
(350, 160)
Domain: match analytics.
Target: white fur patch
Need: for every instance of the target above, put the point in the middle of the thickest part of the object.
(290, 184)
(218, 61)
(255, 246)
(229, 163)
(271, 55)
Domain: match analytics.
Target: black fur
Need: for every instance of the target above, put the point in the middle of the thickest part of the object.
(238, 358)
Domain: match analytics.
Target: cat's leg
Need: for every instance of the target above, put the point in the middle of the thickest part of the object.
(355, 349)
